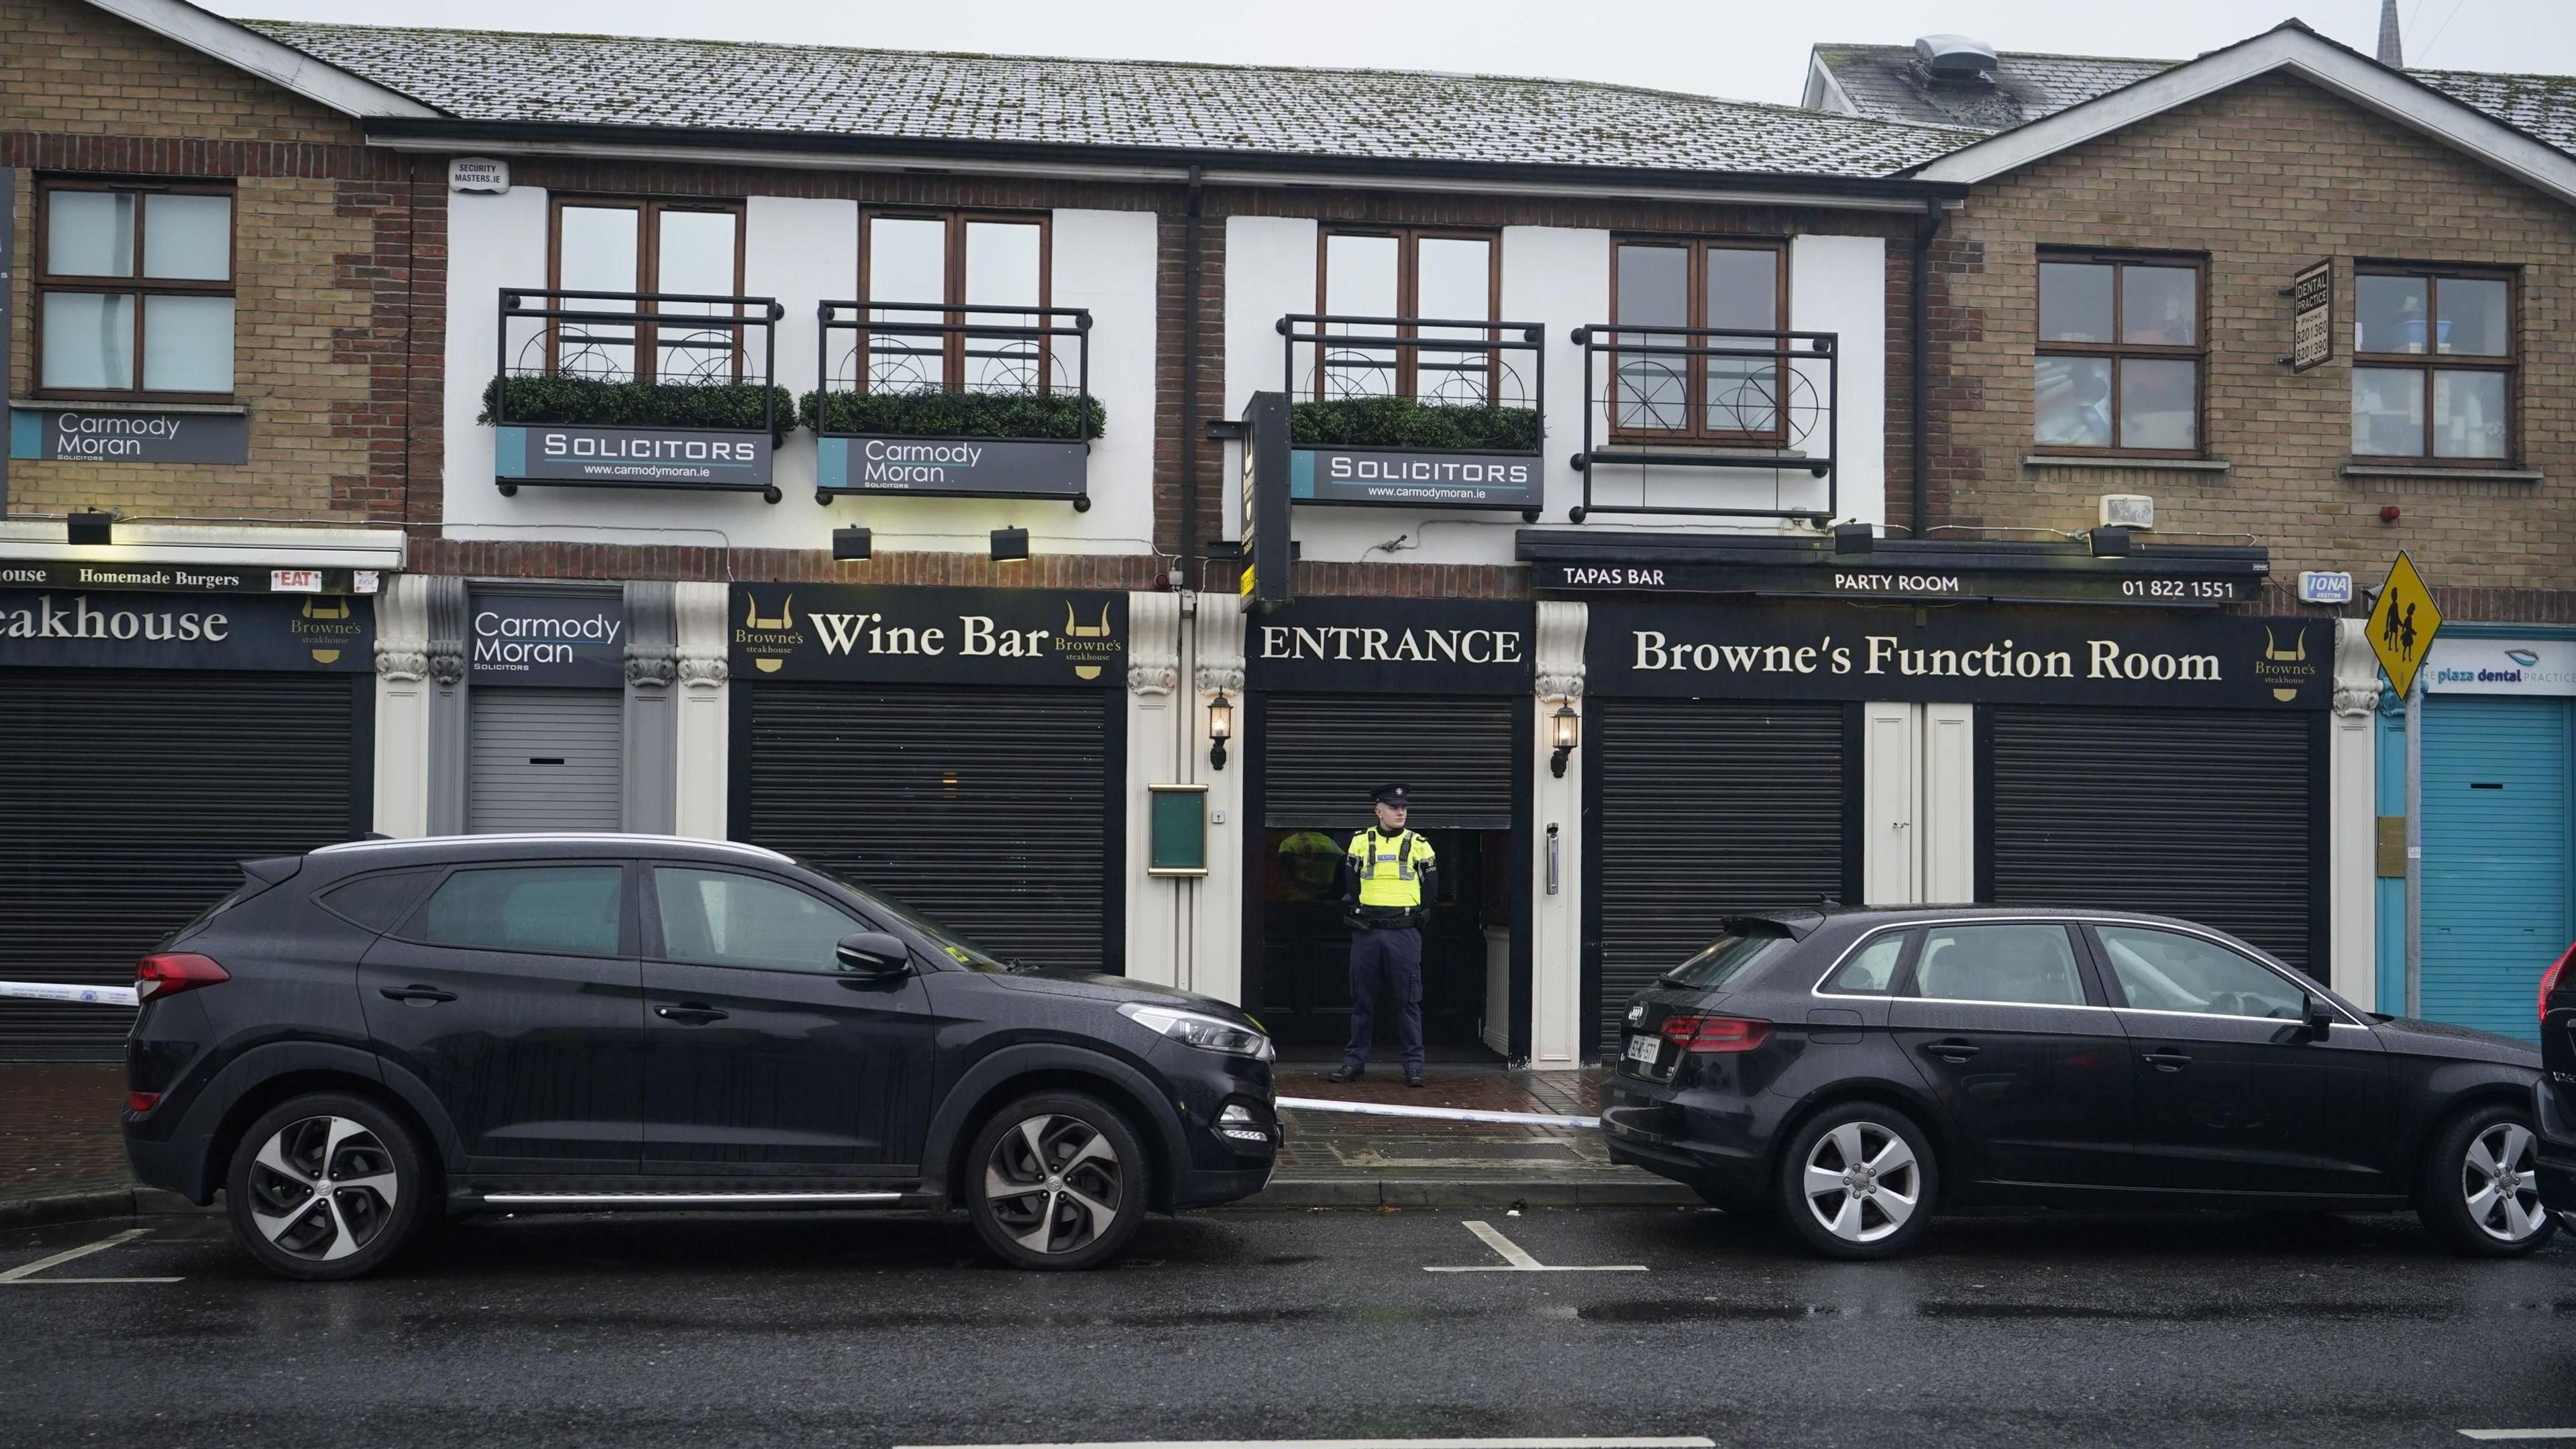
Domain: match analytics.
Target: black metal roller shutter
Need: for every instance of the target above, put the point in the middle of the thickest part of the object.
(127, 801)
(1323, 753)
(986, 809)
(2203, 814)
(1705, 807)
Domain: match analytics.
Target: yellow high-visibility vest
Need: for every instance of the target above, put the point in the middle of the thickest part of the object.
(1389, 868)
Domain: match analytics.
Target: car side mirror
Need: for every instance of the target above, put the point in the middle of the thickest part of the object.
(2321, 1017)
(873, 952)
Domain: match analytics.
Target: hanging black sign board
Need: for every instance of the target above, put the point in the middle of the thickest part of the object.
(2130, 658)
(1265, 499)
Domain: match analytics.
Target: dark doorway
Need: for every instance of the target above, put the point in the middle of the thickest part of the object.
(1304, 992)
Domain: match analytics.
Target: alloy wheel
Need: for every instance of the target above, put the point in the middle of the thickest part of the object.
(1053, 1183)
(2500, 1181)
(1861, 1182)
(323, 1188)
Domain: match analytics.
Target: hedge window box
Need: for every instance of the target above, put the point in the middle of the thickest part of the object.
(945, 400)
(1415, 412)
(568, 410)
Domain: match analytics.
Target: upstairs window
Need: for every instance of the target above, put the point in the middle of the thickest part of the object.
(924, 271)
(134, 291)
(676, 248)
(1410, 273)
(2432, 365)
(1731, 286)
(2118, 366)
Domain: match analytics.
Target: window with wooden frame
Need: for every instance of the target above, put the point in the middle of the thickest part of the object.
(935, 273)
(2432, 364)
(615, 245)
(1438, 274)
(134, 291)
(1728, 393)
(2119, 359)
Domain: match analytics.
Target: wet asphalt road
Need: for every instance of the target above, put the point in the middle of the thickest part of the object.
(719, 1331)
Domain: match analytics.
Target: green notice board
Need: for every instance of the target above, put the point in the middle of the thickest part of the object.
(1177, 842)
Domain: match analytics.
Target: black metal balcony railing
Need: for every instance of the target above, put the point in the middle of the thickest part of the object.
(1439, 386)
(1017, 378)
(1695, 398)
(639, 365)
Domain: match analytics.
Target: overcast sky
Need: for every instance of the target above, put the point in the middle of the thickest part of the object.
(1751, 49)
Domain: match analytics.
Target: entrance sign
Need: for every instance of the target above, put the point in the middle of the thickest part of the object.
(1393, 646)
(951, 467)
(568, 641)
(2125, 657)
(2312, 317)
(126, 630)
(1414, 477)
(1265, 499)
(2403, 623)
(887, 633)
(101, 435)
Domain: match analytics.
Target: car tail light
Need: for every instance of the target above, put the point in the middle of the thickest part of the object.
(2549, 981)
(1715, 1033)
(168, 973)
(142, 1101)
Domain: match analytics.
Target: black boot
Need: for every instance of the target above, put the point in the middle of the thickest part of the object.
(1413, 1077)
(1347, 1074)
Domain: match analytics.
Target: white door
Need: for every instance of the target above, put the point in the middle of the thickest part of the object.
(1918, 807)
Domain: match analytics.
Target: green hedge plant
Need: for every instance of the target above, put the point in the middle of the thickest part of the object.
(954, 414)
(1402, 422)
(735, 405)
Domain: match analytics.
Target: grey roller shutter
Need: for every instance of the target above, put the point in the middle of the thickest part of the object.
(543, 759)
(1705, 807)
(2203, 814)
(1323, 753)
(127, 801)
(985, 808)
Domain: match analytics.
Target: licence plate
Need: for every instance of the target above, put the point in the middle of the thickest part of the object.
(1644, 1048)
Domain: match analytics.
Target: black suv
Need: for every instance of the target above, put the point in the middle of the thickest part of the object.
(1853, 1070)
(366, 1037)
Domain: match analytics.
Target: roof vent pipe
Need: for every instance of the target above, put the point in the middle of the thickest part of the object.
(1955, 57)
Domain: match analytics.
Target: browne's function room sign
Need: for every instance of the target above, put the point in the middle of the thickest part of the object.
(929, 635)
(1326, 644)
(2128, 658)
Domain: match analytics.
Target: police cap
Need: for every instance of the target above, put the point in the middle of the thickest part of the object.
(1391, 795)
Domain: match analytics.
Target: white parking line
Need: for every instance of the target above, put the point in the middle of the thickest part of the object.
(2519, 1433)
(24, 1275)
(1436, 1114)
(1516, 1259)
(1683, 1443)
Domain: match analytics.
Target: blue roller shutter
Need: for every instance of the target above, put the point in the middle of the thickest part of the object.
(2496, 788)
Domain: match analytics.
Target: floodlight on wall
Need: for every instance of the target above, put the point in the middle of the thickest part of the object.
(852, 543)
(91, 526)
(1010, 545)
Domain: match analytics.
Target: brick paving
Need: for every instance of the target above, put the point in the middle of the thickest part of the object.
(58, 1132)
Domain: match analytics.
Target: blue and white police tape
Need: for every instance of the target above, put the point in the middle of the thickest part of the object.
(1441, 1114)
(78, 995)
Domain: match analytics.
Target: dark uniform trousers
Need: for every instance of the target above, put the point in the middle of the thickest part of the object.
(1388, 961)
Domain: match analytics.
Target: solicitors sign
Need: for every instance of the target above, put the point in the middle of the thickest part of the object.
(640, 457)
(1414, 477)
(1392, 646)
(938, 636)
(2128, 658)
(132, 630)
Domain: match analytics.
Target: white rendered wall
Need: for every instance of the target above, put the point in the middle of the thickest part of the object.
(803, 251)
(2352, 809)
(1839, 284)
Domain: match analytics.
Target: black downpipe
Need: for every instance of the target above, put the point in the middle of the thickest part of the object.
(1924, 231)
(1189, 572)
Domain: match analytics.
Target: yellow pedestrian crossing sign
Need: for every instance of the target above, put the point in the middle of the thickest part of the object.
(2402, 624)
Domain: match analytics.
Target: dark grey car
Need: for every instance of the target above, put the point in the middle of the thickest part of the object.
(1855, 1070)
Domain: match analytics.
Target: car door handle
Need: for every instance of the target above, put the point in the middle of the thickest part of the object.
(690, 1014)
(2168, 1061)
(1953, 1052)
(417, 995)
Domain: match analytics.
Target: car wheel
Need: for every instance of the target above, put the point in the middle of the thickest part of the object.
(1858, 1181)
(326, 1186)
(1056, 1180)
(2480, 1190)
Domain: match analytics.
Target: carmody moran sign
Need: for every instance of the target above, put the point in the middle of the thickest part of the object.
(2055, 656)
(648, 457)
(951, 467)
(1416, 478)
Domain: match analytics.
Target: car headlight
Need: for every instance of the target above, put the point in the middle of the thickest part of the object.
(1208, 1033)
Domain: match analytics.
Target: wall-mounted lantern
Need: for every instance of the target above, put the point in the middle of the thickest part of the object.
(1565, 731)
(1220, 729)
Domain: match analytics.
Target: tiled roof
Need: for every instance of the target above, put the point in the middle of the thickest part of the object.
(823, 91)
(1886, 82)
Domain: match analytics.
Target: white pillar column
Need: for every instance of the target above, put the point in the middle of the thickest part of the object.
(1156, 721)
(1215, 930)
(402, 708)
(1557, 1027)
(2352, 810)
(702, 750)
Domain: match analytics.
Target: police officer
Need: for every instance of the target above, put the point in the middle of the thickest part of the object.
(1389, 876)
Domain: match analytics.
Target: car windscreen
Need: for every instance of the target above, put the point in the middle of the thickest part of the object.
(1745, 945)
(956, 947)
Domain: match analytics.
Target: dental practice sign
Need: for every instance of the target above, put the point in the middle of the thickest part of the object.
(951, 467)
(566, 641)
